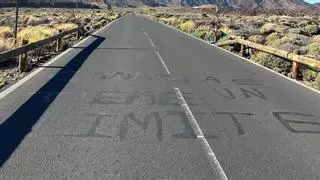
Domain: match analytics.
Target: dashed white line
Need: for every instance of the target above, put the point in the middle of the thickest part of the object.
(163, 64)
(146, 34)
(157, 53)
(198, 132)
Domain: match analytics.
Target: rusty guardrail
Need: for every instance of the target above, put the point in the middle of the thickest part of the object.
(297, 59)
(25, 48)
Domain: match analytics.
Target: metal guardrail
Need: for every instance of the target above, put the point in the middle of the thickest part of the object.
(23, 50)
(297, 59)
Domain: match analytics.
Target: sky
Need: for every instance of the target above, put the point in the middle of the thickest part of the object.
(312, 1)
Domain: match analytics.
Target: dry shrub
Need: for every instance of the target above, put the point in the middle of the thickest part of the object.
(308, 75)
(294, 31)
(311, 29)
(201, 31)
(296, 39)
(317, 82)
(34, 21)
(37, 33)
(187, 26)
(6, 44)
(316, 38)
(303, 23)
(273, 37)
(66, 26)
(268, 28)
(6, 32)
(289, 47)
(273, 18)
(272, 62)
(257, 39)
(314, 48)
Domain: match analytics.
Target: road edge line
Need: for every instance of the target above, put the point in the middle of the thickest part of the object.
(54, 59)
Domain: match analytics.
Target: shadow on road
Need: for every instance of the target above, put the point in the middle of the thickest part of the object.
(20, 123)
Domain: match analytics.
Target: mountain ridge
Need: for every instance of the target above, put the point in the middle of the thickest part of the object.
(232, 4)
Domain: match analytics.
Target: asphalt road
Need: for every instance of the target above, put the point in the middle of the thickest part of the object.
(139, 100)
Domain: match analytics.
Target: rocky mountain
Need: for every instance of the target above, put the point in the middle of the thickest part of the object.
(288, 4)
(234, 4)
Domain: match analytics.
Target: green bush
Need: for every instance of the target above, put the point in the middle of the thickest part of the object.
(314, 48)
(294, 31)
(268, 28)
(272, 62)
(273, 18)
(228, 48)
(311, 29)
(303, 23)
(257, 39)
(289, 47)
(246, 31)
(317, 82)
(273, 36)
(296, 39)
(282, 30)
(316, 38)
(199, 33)
(308, 75)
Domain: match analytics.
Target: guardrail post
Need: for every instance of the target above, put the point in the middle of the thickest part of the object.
(78, 33)
(242, 49)
(23, 58)
(295, 70)
(59, 42)
(215, 31)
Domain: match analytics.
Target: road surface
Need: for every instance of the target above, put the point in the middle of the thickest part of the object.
(138, 100)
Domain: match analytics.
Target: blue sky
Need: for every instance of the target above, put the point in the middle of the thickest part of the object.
(312, 1)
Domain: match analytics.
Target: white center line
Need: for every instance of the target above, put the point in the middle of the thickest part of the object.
(158, 54)
(146, 34)
(198, 132)
(163, 64)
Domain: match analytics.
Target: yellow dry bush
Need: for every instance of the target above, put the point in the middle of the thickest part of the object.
(318, 82)
(187, 26)
(314, 48)
(227, 30)
(6, 44)
(66, 26)
(6, 32)
(316, 38)
(37, 33)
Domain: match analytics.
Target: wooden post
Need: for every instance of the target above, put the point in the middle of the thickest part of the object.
(23, 58)
(78, 34)
(295, 70)
(16, 22)
(59, 42)
(215, 31)
(242, 50)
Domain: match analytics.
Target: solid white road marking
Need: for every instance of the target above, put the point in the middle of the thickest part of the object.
(36, 71)
(146, 34)
(198, 132)
(163, 64)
